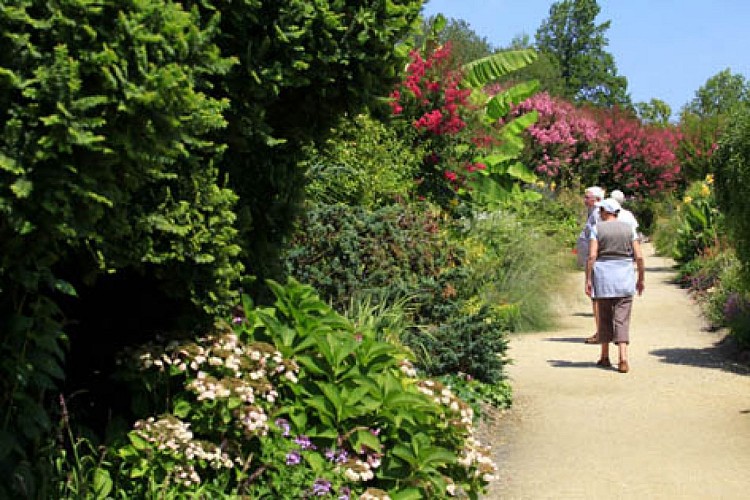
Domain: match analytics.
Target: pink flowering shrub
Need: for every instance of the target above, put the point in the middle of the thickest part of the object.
(565, 143)
(612, 148)
(440, 116)
(641, 158)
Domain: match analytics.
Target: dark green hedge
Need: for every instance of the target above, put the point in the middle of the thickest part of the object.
(149, 151)
(731, 162)
(301, 65)
(395, 252)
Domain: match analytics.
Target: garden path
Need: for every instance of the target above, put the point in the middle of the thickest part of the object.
(676, 427)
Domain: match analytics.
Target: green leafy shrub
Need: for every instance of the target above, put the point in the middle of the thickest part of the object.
(396, 252)
(731, 162)
(344, 251)
(107, 169)
(237, 419)
(364, 163)
(700, 222)
(467, 343)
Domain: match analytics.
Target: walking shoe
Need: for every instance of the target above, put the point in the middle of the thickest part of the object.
(604, 363)
(623, 367)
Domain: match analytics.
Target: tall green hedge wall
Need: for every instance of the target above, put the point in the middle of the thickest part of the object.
(149, 160)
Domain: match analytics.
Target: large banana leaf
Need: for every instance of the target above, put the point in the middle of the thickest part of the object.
(499, 105)
(501, 181)
(521, 172)
(513, 130)
(492, 194)
(488, 69)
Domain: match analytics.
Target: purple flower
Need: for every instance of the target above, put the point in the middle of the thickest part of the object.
(375, 432)
(321, 487)
(293, 458)
(339, 456)
(283, 424)
(344, 493)
(305, 443)
(734, 306)
(342, 456)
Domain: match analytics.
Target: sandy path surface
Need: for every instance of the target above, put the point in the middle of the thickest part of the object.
(676, 427)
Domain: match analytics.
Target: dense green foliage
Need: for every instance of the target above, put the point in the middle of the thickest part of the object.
(720, 95)
(300, 66)
(365, 163)
(577, 44)
(345, 250)
(106, 170)
(395, 253)
(731, 163)
(149, 149)
(239, 400)
(472, 343)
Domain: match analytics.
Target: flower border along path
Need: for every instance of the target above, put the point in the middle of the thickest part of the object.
(676, 427)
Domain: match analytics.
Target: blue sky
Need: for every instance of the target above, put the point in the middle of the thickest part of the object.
(667, 49)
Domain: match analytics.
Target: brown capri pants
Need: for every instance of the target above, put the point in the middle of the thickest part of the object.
(614, 319)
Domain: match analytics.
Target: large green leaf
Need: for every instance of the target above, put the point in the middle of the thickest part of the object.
(521, 172)
(488, 69)
(500, 104)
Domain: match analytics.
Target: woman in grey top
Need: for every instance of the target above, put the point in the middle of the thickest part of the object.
(611, 281)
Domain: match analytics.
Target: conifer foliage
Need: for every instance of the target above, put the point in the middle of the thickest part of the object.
(145, 144)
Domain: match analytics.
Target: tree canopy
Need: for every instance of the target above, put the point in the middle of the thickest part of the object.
(466, 44)
(655, 111)
(577, 45)
(721, 93)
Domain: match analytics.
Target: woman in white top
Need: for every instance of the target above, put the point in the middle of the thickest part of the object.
(624, 215)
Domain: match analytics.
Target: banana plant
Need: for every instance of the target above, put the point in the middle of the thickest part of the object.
(502, 178)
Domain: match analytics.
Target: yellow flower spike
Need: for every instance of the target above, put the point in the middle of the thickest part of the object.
(552, 186)
(454, 202)
(710, 179)
(687, 199)
(705, 190)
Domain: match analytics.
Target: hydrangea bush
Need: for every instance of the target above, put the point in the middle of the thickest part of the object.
(293, 402)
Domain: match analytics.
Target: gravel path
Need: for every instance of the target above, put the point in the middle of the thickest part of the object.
(676, 427)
